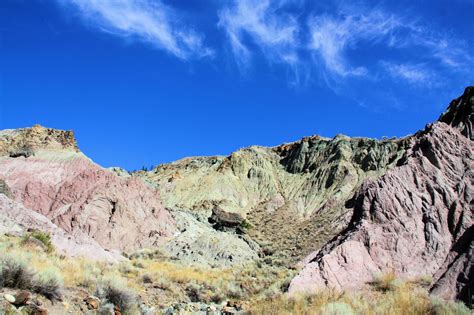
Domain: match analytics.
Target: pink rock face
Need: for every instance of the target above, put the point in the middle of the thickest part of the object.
(416, 220)
(16, 219)
(79, 196)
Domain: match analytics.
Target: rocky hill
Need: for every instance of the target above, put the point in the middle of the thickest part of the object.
(402, 205)
(415, 220)
(45, 173)
(343, 209)
(285, 193)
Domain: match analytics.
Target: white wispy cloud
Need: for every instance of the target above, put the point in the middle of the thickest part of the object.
(332, 37)
(275, 33)
(412, 73)
(285, 33)
(335, 38)
(149, 21)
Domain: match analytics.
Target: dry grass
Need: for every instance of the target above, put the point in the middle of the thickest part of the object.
(383, 298)
(16, 273)
(260, 286)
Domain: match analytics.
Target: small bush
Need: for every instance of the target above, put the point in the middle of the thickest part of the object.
(15, 274)
(106, 309)
(84, 274)
(234, 291)
(424, 281)
(49, 284)
(194, 292)
(203, 292)
(385, 282)
(43, 237)
(337, 308)
(441, 307)
(246, 225)
(163, 284)
(112, 291)
(146, 278)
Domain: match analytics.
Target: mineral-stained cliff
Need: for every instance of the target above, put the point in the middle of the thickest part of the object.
(287, 193)
(88, 209)
(415, 220)
(45, 172)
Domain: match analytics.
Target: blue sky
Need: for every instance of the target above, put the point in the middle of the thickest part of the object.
(143, 82)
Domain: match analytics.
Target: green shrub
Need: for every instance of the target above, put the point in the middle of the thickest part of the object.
(112, 291)
(424, 281)
(246, 225)
(49, 284)
(442, 307)
(15, 274)
(43, 237)
(337, 308)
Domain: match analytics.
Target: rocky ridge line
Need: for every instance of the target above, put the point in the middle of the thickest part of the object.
(415, 220)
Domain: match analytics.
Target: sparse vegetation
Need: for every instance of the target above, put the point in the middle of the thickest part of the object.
(245, 225)
(147, 279)
(258, 287)
(404, 299)
(15, 274)
(114, 291)
(49, 283)
(385, 282)
(43, 237)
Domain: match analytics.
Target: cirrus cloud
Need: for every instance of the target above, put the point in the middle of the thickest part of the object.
(149, 21)
(261, 22)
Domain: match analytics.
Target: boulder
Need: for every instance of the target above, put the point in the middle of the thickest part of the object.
(92, 302)
(222, 220)
(9, 298)
(22, 298)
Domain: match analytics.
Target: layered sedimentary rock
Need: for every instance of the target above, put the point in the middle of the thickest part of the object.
(359, 207)
(416, 220)
(45, 172)
(286, 193)
(99, 212)
(15, 219)
(198, 242)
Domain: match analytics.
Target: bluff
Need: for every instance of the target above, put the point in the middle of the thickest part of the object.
(47, 174)
(47, 183)
(292, 196)
(415, 220)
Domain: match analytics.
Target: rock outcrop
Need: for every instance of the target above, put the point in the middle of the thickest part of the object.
(286, 193)
(222, 220)
(198, 242)
(460, 113)
(360, 207)
(15, 219)
(77, 195)
(416, 220)
(24, 142)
